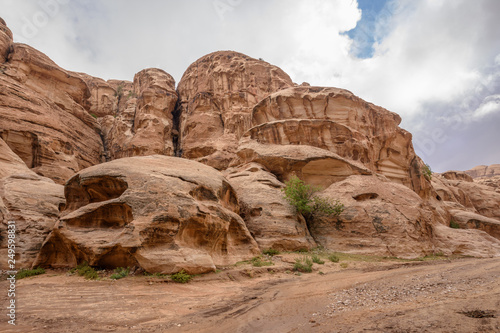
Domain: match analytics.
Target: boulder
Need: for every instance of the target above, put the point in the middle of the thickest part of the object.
(31, 202)
(380, 217)
(217, 93)
(161, 213)
(271, 220)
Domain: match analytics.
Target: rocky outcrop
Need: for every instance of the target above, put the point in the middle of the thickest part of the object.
(484, 171)
(217, 94)
(160, 213)
(43, 115)
(5, 42)
(143, 124)
(31, 202)
(380, 217)
(272, 222)
(336, 120)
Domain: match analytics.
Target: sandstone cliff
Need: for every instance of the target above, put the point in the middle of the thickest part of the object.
(190, 178)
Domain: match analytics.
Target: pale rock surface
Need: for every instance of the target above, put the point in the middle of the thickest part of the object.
(31, 201)
(380, 217)
(143, 123)
(271, 220)
(43, 115)
(386, 218)
(313, 165)
(484, 171)
(217, 93)
(5, 41)
(161, 213)
(337, 120)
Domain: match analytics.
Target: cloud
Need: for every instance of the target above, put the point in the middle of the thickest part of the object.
(436, 63)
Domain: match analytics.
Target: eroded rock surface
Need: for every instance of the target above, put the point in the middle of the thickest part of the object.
(44, 117)
(160, 213)
(31, 202)
(217, 94)
(270, 219)
(143, 123)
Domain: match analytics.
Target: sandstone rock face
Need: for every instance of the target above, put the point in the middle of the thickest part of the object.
(272, 222)
(336, 120)
(484, 171)
(386, 218)
(5, 41)
(315, 166)
(144, 123)
(31, 201)
(217, 94)
(161, 213)
(380, 217)
(43, 115)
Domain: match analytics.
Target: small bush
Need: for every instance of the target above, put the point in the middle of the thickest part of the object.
(301, 196)
(343, 265)
(454, 224)
(271, 252)
(333, 258)
(181, 277)
(24, 273)
(86, 271)
(120, 273)
(93, 115)
(317, 260)
(259, 262)
(303, 264)
(427, 172)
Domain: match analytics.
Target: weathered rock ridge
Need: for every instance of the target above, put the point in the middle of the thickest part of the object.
(139, 173)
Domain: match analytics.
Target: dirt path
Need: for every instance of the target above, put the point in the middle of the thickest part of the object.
(438, 296)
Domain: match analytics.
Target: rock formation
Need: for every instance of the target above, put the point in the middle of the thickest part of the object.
(217, 94)
(31, 201)
(160, 213)
(43, 115)
(242, 116)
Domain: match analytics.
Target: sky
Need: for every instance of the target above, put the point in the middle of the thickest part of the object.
(434, 62)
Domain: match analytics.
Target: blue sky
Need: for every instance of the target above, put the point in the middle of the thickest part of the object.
(367, 30)
(434, 62)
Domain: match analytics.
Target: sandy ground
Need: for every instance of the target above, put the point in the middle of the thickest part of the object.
(433, 296)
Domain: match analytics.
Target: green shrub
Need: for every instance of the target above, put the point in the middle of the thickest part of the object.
(303, 264)
(86, 271)
(427, 172)
(317, 260)
(454, 224)
(120, 273)
(333, 258)
(302, 197)
(259, 262)
(181, 277)
(343, 265)
(271, 252)
(93, 115)
(23, 273)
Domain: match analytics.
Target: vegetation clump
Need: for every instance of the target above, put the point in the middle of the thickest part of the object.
(86, 271)
(271, 252)
(303, 198)
(333, 258)
(427, 172)
(181, 277)
(317, 260)
(303, 264)
(454, 224)
(259, 262)
(120, 273)
(24, 273)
